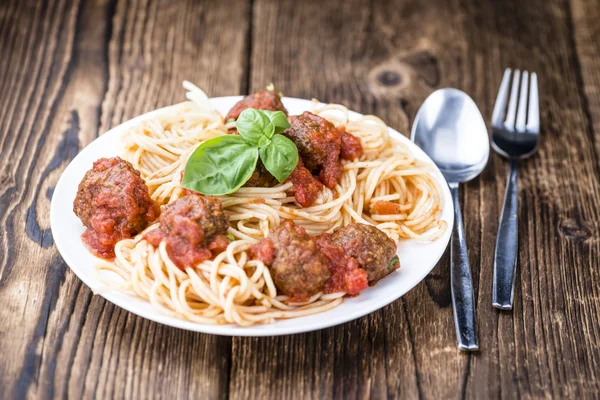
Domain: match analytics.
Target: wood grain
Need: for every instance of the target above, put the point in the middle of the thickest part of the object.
(70, 70)
(386, 60)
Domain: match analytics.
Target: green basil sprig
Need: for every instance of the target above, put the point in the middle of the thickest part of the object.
(393, 262)
(223, 164)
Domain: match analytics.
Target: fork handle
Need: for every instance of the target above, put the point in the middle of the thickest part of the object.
(461, 284)
(505, 256)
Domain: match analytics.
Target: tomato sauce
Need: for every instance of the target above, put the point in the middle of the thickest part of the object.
(351, 148)
(185, 245)
(263, 251)
(321, 146)
(193, 228)
(346, 276)
(383, 207)
(307, 187)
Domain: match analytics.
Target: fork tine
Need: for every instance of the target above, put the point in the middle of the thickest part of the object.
(522, 110)
(511, 114)
(533, 122)
(501, 99)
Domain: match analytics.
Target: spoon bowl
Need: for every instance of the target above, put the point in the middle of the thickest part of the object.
(451, 130)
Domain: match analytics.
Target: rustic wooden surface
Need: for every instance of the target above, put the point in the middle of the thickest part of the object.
(70, 70)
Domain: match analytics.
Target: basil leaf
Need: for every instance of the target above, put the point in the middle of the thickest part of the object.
(280, 157)
(264, 142)
(269, 130)
(393, 262)
(220, 165)
(278, 119)
(251, 125)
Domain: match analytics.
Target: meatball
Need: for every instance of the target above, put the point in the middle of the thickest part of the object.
(318, 142)
(206, 212)
(194, 228)
(262, 100)
(298, 269)
(346, 274)
(113, 203)
(261, 177)
(373, 249)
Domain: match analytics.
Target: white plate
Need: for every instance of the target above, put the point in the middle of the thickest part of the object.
(417, 259)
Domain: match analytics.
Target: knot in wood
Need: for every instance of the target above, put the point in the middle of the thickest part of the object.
(425, 66)
(575, 229)
(389, 78)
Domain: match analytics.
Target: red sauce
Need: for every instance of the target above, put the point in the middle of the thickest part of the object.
(194, 229)
(100, 245)
(307, 187)
(261, 100)
(185, 246)
(331, 173)
(320, 145)
(351, 148)
(155, 236)
(346, 276)
(114, 204)
(318, 142)
(344, 271)
(331, 170)
(263, 251)
(383, 207)
(218, 244)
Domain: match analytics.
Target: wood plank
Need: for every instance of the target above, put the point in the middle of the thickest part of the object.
(71, 70)
(552, 334)
(364, 61)
(78, 69)
(585, 31)
(385, 58)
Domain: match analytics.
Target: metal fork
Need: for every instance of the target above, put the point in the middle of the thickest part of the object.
(515, 137)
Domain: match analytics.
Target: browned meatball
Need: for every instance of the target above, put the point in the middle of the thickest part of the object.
(373, 249)
(113, 203)
(262, 100)
(261, 177)
(206, 212)
(194, 227)
(298, 269)
(318, 142)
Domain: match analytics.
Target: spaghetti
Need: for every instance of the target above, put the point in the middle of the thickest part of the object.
(387, 187)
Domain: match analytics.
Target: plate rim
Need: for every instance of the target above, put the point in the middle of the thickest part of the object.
(232, 329)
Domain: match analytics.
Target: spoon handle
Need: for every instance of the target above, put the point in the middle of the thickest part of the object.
(461, 283)
(505, 256)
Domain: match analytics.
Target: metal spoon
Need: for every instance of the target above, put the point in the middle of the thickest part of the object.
(451, 130)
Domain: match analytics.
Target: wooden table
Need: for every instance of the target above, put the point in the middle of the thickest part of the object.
(70, 70)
